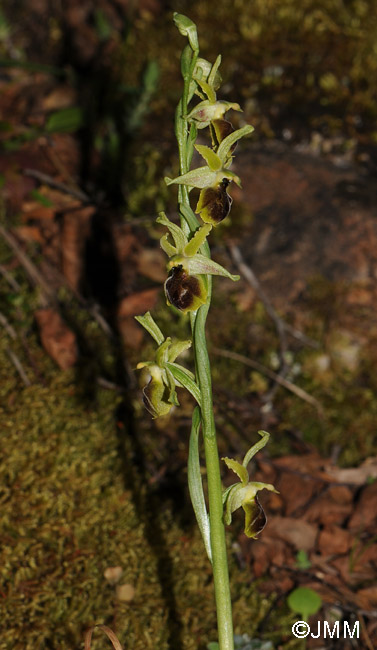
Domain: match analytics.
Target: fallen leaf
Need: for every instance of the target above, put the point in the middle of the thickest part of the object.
(297, 532)
(56, 337)
(334, 540)
(138, 303)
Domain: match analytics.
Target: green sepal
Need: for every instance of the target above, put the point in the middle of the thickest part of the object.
(195, 484)
(187, 28)
(231, 139)
(207, 89)
(173, 399)
(212, 159)
(199, 264)
(214, 71)
(152, 328)
(162, 352)
(190, 143)
(185, 379)
(167, 247)
(197, 240)
(238, 469)
(200, 177)
(177, 348)
(257, 447)
(176, 231)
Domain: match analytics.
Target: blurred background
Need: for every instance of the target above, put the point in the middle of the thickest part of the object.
(96, 523)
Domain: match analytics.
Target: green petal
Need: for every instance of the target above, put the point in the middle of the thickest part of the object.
(200, 177)
(238, 469)
(197, 240)
(211, 158)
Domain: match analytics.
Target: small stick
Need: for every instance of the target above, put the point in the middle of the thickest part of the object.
(251, 278)
(300, 392)
(48, 180)
(30, 268)
(9, 278)
(7, 326)
(17, 364)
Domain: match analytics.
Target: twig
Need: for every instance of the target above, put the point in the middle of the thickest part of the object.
(48, 180)
(9, 278)
(251, 278)
(48, 295)
(300, 392)
(17, 364)
(7, 326)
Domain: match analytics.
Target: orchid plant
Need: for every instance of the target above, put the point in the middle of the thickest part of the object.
(188, 289)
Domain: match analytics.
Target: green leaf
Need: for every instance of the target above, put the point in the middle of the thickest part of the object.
(213, 646)
(302, 560)
(231, 139)
(152, 328)
(195, 484)
(67, 120)
(212, 159)
(304, 601)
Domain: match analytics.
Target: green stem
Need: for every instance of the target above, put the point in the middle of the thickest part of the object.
(203, 375)
(217, 530)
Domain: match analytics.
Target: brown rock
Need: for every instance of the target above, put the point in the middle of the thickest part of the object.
(57, 339)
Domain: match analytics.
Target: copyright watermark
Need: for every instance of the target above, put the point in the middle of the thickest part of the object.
(302, 629)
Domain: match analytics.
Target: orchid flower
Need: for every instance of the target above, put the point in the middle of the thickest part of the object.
(185, 287)
(245, 493)
(212, 179)
(160, 395)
